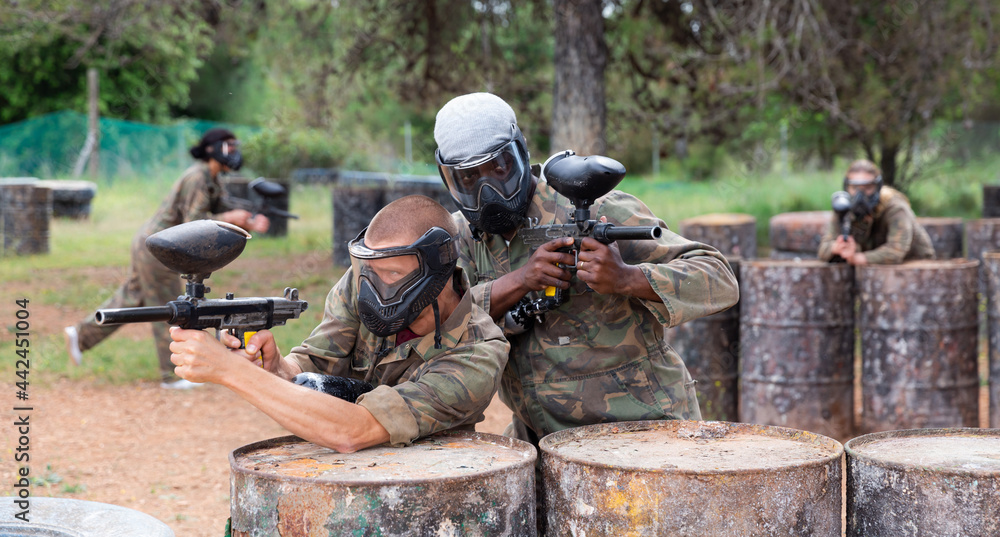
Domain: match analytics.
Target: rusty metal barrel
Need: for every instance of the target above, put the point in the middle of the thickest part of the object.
(946, 235)
(982, 235)
(453, 483)
(919, 344)
(65, 517)
(691, 478)
(991, 201)
(25, 211)
(797, 345)
(732, 234)
(908, 483)
(798, 234)
(991, 266)
(709, 347)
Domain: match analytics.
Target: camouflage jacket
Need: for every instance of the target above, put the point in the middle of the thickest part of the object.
(196, 195)
(419, 390)
(602, 358)
(890, 235)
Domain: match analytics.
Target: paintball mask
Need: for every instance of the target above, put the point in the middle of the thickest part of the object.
(396, 284)
(861, 204)
(492, 190)
(227, 152)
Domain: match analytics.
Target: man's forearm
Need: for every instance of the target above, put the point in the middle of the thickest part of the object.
(505, 292)
(308, 414)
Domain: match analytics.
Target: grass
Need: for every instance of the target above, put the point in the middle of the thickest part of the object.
(87, 258)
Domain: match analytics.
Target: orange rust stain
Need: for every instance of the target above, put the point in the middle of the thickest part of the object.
(458, 445)
(635, 502)
(306, 467)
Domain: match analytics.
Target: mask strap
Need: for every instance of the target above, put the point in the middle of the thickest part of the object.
(437, 325)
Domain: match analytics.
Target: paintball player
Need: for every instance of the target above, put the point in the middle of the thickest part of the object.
(883, 228)
(600, 357)
(196, 195)
(402, 319)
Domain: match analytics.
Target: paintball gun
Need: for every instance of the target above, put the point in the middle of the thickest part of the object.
(266, 192)
(841, 202)
(582, 180)
(196, 249)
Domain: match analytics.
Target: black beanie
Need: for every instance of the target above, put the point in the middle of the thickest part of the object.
(210, 137)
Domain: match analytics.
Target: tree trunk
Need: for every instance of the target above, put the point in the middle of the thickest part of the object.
(888, 164)
(578, 108)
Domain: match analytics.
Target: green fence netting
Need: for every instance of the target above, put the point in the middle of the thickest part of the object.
(48, 146)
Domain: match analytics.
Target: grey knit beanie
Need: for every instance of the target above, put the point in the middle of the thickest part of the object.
(473, 124)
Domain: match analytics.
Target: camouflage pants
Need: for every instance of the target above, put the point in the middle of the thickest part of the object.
(148, 283)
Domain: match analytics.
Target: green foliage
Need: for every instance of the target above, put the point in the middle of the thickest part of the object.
(147, 54)
(276, 152)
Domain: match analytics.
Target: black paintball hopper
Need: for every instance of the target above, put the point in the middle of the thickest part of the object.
(582, 179)
(199, 247)
(265, 188)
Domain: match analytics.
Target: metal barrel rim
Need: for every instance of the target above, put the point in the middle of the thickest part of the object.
(851, 447)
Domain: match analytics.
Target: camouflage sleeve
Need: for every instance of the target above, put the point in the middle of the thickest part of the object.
(825, 252)
(481, 292)
(466, 258)
(692, 279)
(898, 239)
(454, 387)
(195, 196)
(328, 348)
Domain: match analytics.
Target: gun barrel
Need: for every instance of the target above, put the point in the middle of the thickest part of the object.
(628, 233)
(271, 211)
(134, 315)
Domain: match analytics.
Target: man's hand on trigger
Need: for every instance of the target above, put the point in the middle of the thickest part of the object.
(543, 270)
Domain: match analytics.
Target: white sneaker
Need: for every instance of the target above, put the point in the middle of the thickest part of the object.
(73, 344)
(182, 384)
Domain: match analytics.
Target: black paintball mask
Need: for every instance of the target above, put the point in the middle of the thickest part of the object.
(396, 284)
(227, 152)
(862, 205)
(492, 190)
